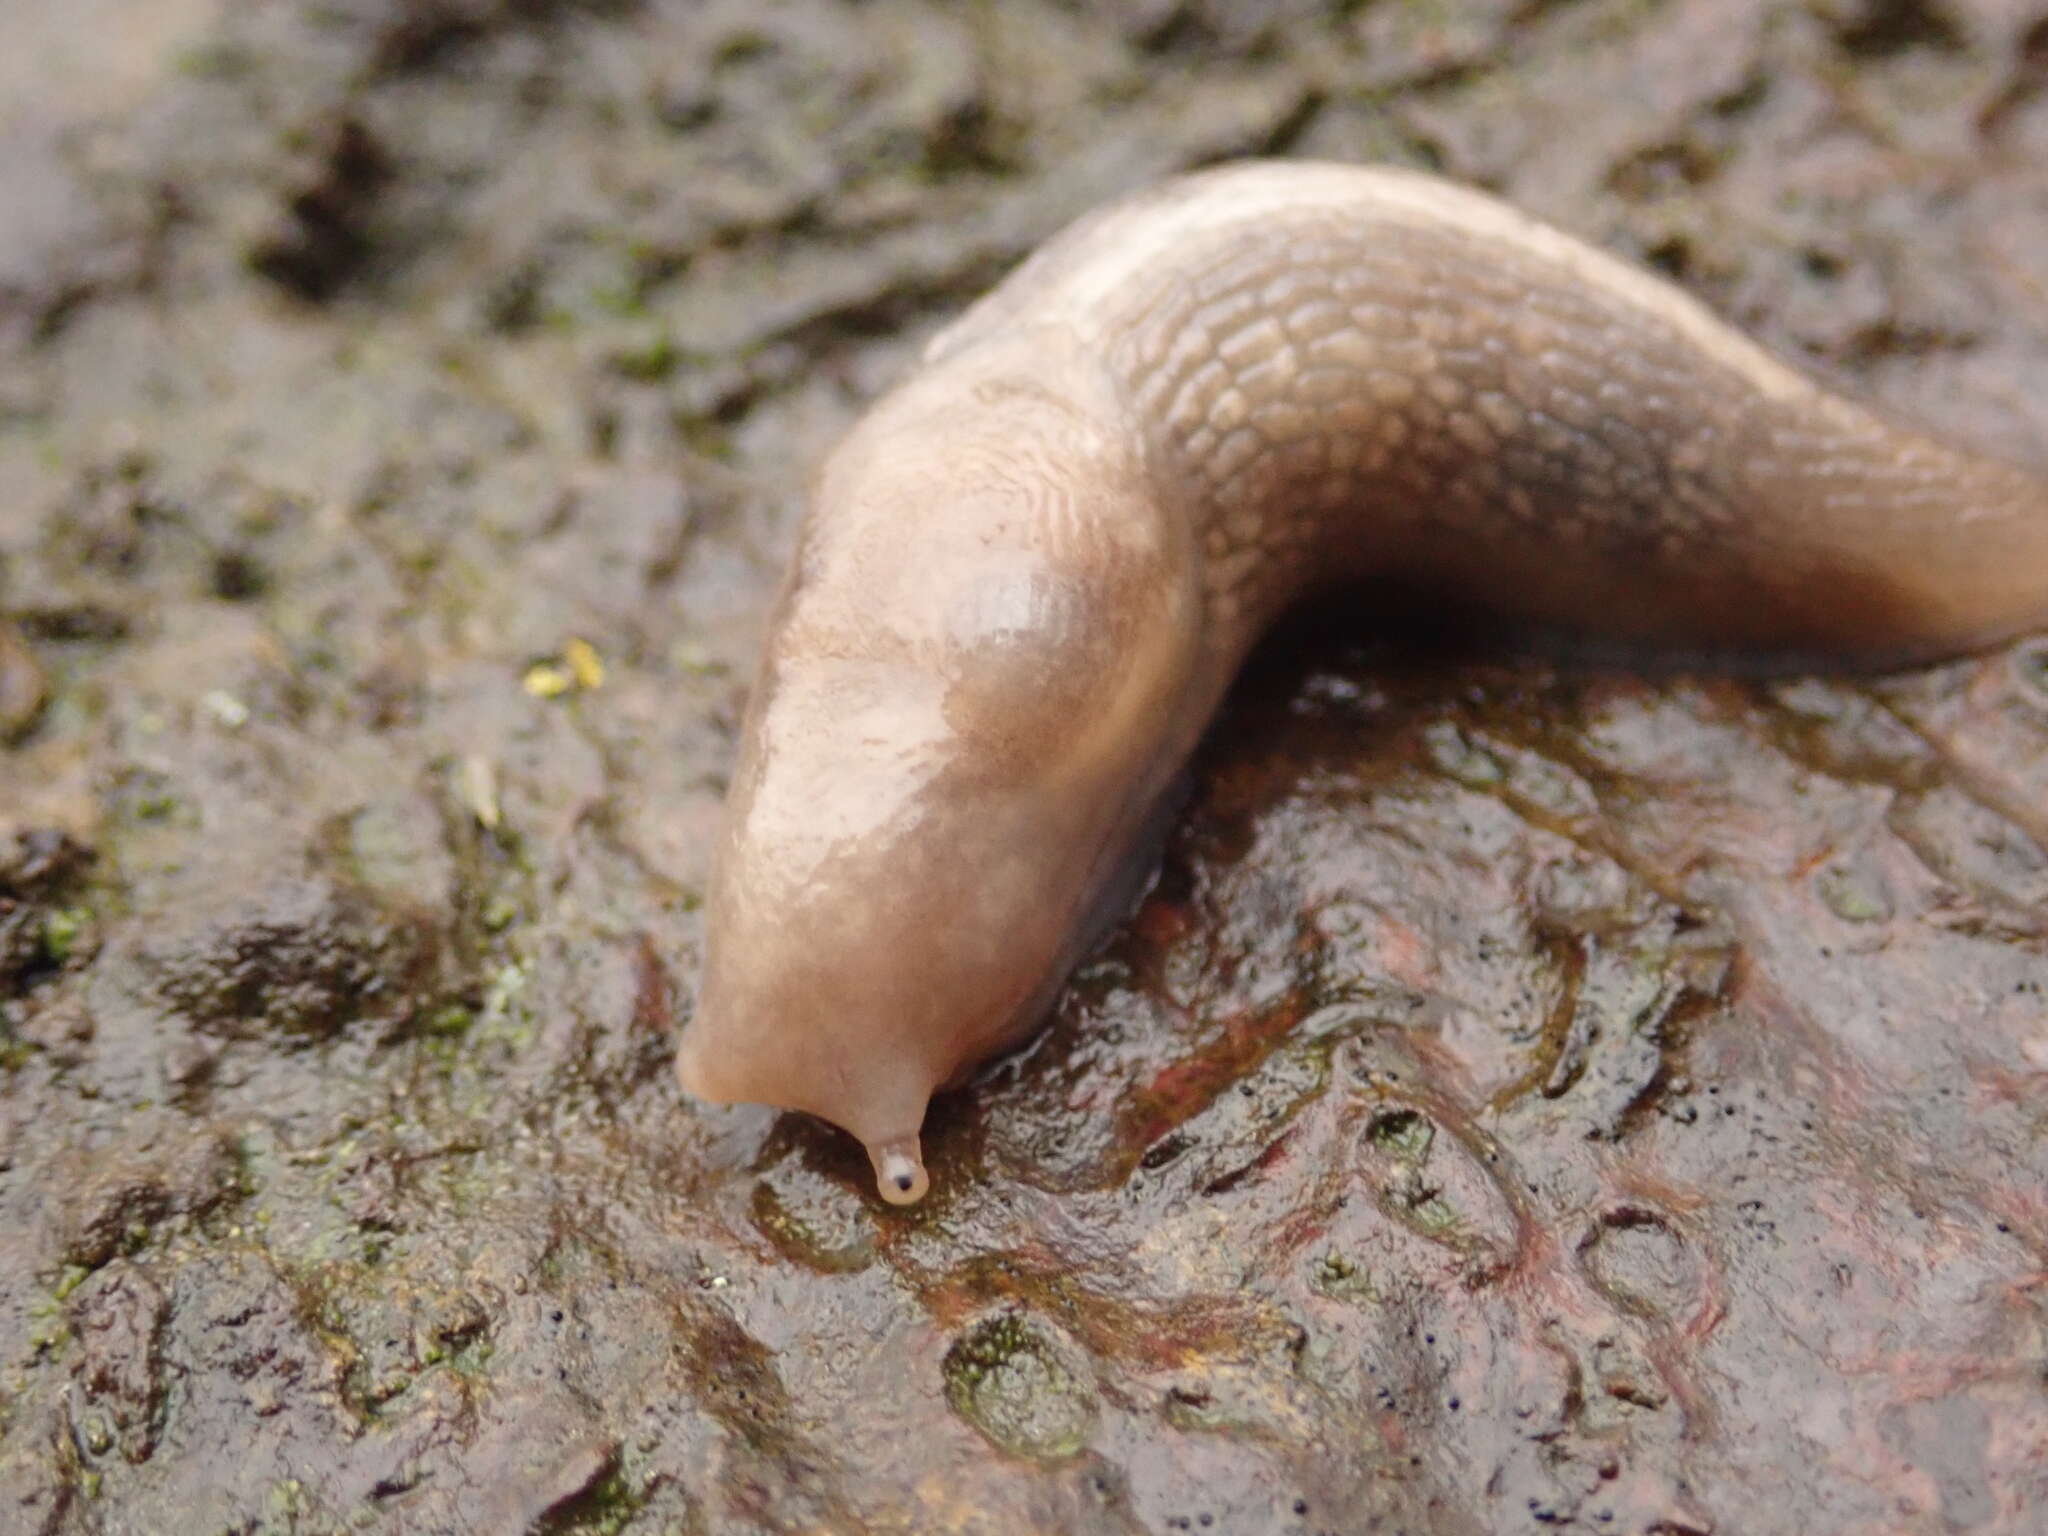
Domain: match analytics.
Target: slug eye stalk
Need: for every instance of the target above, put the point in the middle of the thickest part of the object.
(899, 1170)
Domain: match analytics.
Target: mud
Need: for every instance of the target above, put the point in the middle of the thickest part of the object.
(1533, 1098)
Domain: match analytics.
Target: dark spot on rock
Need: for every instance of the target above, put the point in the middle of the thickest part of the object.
(300, 957)
(238, 576)
(112, 1199)
(37, 861)
(321, 237)
(1881, 28)
(41, 927)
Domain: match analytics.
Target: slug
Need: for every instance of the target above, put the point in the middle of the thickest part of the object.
(1029, 572)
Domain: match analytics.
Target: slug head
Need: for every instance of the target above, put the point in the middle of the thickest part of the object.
(988, 632)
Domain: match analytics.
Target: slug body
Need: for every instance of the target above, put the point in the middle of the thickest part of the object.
(1030, 572)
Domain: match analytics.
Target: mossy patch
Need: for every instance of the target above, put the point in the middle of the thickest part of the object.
(1010, 1377)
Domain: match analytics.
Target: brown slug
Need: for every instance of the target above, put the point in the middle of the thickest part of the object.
(1030, 571)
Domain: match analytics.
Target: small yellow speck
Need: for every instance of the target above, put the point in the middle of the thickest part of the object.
(584, 662)
(548, 680)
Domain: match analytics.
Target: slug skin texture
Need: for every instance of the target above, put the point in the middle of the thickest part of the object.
(1029, 573)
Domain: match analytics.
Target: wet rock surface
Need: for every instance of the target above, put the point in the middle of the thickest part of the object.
(1532, 1097)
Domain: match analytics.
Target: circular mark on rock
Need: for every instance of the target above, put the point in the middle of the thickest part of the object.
(1854, 893)
(1405, 1133)
(1023, 1385)
(812, 1220)
(1639, 1261)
